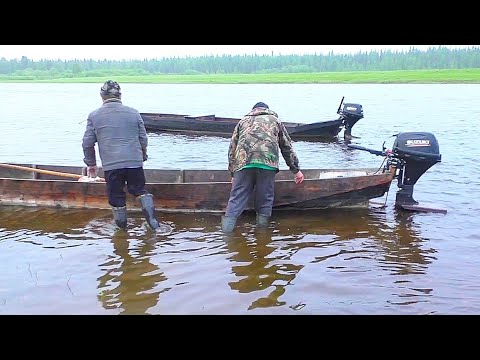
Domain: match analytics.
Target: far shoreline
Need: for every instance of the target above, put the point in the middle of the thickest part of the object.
(442, 76)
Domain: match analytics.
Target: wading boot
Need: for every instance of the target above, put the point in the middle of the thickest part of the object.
(148, 208)
(120, 216)
(263, 221)
(228, 223)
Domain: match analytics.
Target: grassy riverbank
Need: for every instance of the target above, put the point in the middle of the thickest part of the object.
(450, 76)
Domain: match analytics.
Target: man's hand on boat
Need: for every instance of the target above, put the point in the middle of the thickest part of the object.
(90, 179)
(92, 171)
(299, 177)
(92, 175)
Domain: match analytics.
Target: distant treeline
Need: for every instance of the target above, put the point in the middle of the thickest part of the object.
(413, 59)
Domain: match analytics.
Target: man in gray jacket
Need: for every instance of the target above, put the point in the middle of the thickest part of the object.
(122, 145)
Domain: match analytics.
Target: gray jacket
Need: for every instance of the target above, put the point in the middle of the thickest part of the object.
(121, 136)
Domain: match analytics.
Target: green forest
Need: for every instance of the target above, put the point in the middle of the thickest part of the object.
(437, 64)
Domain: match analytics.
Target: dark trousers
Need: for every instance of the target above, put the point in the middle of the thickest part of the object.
(246, 182)
(116, 180)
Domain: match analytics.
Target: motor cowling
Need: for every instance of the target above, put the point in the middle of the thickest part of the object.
(351, 113)
(416, 152)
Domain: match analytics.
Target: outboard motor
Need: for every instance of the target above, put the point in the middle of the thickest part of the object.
(414, 153)
(350, 114)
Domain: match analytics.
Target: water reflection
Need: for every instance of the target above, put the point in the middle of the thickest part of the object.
(390, 238)
(259, 264)
(365, 243)
(404, 245)
(302, 261)
(49, 220)
(130, 278)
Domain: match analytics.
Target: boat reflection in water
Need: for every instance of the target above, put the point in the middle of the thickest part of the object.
(327, 252)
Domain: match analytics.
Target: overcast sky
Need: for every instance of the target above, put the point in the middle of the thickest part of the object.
(140, 52)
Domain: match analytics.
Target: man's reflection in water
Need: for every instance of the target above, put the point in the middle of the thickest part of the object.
(130, 279)
(260, 265)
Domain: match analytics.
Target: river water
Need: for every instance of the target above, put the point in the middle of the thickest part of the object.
(362, 261)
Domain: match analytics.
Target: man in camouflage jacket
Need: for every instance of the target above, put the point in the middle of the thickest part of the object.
(253, 162)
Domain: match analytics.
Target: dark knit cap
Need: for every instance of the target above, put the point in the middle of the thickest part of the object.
(260, 105)
(110, 89)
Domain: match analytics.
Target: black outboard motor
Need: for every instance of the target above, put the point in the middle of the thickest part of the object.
(414, 153)
(350, 114)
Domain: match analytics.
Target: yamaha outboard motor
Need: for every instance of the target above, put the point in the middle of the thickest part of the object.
(350, 114)
(415, 153)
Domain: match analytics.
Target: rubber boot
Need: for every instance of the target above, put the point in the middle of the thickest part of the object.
(228, 223)
(263, 221)
(120, 216)
(148, 209)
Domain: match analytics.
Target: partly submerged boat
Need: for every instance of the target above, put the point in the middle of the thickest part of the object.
(208, 190)
(212, 125)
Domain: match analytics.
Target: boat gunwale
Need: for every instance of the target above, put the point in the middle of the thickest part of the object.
(180, 174)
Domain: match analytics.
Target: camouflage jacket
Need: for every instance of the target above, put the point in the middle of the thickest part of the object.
(257, 138)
